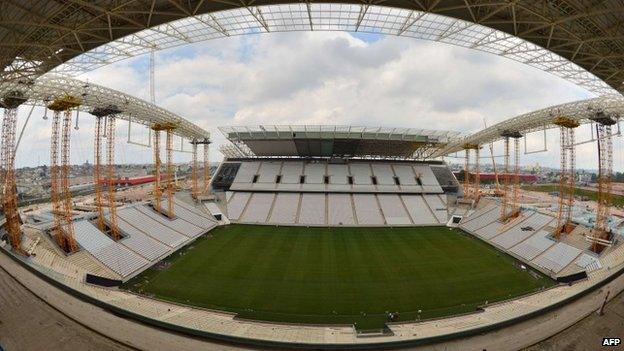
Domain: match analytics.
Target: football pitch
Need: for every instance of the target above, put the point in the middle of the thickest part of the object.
(338, 275)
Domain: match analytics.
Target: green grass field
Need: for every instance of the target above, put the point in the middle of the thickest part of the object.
(338, 275)
(616, 200)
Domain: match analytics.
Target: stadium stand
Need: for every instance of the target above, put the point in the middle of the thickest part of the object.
(267, 175)
(533, 246)
(178, 224)
(367, 210)
(285, 208)
(437, 206)
(385, 177)
(393, 209)
(340, 210)
(362, 176)
(588, 263)
(225, 175)
(445, 178)
(314, 174)
(522, 230)
(338, 177)
(480, 219)
(110, 253)
(258, 208)
(312, 210)
(407, 178)
(144, 245)
(419, 211)
(291, 175)
(192, 216)
(162, 233)
(236, 205)
(557, 257)
(245, 175)
(429, 182)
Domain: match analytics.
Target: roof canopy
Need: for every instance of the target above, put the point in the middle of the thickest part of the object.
(339, 141)
(581, 42)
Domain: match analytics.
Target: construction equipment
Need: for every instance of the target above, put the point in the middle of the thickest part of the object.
(566, 180)
(497, 188)
(206, 143)
(195, 187)
(59, 175)
(168, 128)
(10, 102)
(472, 191)
(105, 114)
(601, 236)
(510, 206)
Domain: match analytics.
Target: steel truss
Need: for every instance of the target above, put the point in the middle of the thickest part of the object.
(45, 89)
(580, 43)
(581, 111)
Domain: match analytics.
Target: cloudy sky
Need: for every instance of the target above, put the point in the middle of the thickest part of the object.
(325, 78)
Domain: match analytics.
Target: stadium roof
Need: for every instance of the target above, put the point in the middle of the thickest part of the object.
(576, 40)
(92, 96)
(540, 120)
(328, 141)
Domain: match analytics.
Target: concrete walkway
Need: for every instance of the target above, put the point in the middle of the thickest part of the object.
(28, 323)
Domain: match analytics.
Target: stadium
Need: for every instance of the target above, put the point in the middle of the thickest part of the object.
(319, 237)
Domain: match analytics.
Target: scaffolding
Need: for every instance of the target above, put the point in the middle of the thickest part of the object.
(195, 185)
(10, 102)
(206, 143)
(59, 174)
(97, 169)
(168, 128)
(472, 190)
(601, 236)
(510, 206)
(567, 175)
(105, 128)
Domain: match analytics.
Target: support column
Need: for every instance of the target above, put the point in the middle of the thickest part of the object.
(510, 208)
(59, 175)
(168, 128)
(97, 169)
(10, 102)
(105, 127)
(110, 163)
(566, 181)
(601, 236)
(467, 173)
(169, 169)
(505, 190)
(195, 186)
(206, 163)
(157, 191)
(472, 191)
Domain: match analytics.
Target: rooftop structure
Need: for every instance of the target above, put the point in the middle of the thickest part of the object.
(570, 39)
(338, 141)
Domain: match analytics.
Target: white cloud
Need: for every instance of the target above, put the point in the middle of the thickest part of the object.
(335, 78)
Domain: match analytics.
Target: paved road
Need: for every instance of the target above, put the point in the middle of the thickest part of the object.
(27, 323)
